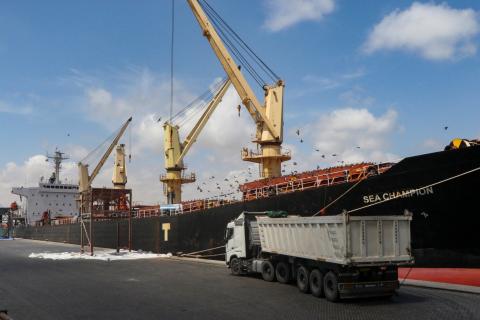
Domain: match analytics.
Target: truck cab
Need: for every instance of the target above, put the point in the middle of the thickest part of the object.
(235, 237)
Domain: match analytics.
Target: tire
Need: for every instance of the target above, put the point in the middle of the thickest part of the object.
(236, 266)
(268, 271)
(303, 279)
(330, 286)
(282, 272)
(316, 283)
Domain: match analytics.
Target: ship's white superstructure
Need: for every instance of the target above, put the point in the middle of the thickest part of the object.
(54, 197)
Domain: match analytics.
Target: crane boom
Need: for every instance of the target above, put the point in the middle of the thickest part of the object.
(244, 90)
(193, 135)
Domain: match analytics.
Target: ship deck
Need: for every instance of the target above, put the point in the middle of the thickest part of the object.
(172, 289)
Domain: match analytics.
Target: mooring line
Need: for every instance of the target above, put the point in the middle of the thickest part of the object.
(415, 190)
(194, 253)
(341, 196)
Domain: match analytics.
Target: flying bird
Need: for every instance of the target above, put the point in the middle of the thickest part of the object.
(446, 128)
(159, 119)
(298, 132)
(301, 140)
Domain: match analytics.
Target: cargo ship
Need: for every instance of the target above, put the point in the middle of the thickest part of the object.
(438, 189)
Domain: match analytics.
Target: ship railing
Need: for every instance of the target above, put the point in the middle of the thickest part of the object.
(197, 205)
(300, 184)
(148, 213)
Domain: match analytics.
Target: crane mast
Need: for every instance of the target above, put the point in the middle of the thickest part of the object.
(175, 150)
(268, 117)
(119, 178)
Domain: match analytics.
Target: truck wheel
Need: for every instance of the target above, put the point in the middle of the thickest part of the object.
(316, 283)
(282, 272)
(268, 271)
(303, 279)
(330, 286)
(236, 266)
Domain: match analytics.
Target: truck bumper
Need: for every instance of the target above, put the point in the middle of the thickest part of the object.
(367, 289)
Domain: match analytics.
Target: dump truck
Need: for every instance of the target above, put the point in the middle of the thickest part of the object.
(335, 257)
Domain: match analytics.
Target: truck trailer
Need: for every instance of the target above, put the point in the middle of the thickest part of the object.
(334, 257)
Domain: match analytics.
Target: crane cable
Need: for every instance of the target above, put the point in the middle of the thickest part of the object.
(230, 37)
(268, 71)
(198, 105)
(200, 99)
(245, 46)
(89, 156)
(171, 58)
(235, 51)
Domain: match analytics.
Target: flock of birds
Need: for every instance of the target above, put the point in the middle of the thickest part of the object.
(231, 185)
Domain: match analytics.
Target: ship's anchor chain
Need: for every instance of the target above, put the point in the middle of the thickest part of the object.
(196, 253)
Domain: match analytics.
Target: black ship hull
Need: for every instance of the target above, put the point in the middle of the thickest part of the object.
(439, 189)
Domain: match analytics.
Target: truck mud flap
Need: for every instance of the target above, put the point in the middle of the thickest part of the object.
(367, 289)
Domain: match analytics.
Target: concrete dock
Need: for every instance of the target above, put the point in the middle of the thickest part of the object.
(168, 288)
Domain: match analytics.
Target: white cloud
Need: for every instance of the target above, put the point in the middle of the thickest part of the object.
(7, 108)
(432, 145)
(352, 135)
(315, 83)
(282, 14)
(436, 32)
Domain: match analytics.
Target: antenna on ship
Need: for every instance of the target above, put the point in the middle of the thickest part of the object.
(57, 158)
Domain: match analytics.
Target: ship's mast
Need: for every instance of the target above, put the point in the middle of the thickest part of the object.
(57, 158)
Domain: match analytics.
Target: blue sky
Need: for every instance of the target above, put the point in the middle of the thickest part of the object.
(72, 72)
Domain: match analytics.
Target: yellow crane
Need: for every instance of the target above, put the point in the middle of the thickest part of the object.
(85, 180)
(175, 150)
(267, 116)
(119, 178)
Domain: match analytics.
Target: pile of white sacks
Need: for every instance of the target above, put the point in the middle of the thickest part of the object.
(102, 255)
